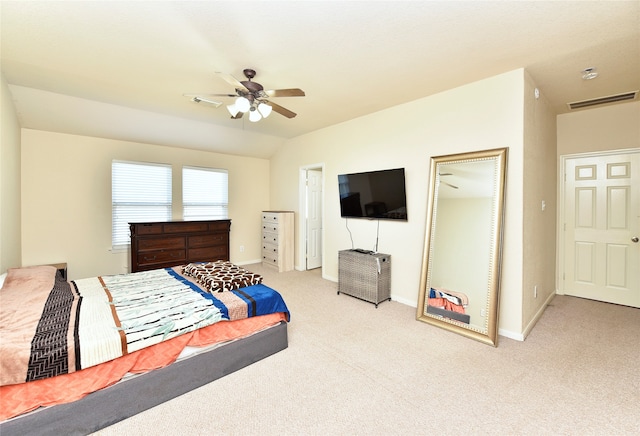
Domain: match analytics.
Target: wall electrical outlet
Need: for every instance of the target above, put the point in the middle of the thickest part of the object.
(242, 249)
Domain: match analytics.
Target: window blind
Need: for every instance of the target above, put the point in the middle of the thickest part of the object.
(205, 193)
(139, 192)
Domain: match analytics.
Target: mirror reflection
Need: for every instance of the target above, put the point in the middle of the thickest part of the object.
(459, 287)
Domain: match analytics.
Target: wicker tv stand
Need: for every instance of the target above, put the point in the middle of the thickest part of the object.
(365, 275)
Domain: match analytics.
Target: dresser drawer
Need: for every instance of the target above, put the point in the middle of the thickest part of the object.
(271, 249)
(271, 217)
(269, 258)
(207, 240)
(145, 244)
(207, 254)
(271, 238)
(147, 229)
(186, 227)
(270, 227)
(161, 256)
(222, 226)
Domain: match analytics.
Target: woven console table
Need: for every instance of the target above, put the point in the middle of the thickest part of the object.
(365, 275)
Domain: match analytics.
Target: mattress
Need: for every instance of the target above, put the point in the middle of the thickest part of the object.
(62, 340)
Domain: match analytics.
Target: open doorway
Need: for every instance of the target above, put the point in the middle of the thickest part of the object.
(310, 235)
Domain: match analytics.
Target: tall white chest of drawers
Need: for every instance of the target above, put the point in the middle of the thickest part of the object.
(278, 239)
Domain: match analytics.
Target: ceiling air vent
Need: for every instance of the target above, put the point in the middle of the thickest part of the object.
(603, 100)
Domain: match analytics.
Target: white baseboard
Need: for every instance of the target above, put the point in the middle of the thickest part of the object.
(522, 336)
(511, 335)
(538, 314)
(405, 301)
(248, 262)
(330, 278)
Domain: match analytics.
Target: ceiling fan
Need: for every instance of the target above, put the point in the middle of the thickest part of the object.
(250, 97)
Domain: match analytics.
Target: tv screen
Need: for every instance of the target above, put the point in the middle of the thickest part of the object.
(373, 195)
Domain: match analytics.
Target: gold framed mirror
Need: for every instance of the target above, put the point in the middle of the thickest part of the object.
(460, 280)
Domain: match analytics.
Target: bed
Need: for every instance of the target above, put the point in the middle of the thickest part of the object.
(78, 356)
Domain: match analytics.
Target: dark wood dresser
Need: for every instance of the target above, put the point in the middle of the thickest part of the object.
(170, 243)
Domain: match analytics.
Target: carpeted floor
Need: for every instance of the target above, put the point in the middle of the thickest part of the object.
(352, 369)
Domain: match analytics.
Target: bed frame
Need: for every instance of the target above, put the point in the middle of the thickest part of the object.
(105, 407)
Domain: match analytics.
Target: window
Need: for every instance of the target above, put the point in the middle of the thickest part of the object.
(205, 193)
(139, 192)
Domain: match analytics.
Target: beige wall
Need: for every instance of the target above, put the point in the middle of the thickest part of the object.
(66, 198)
(540, 180)
(10, 244)
(482, 115)
(614, 127)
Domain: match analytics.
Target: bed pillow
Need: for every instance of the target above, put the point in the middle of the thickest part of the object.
(16, 278)
(221, 275)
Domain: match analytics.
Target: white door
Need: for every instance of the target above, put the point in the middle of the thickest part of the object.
(314, 219)
(602, 227)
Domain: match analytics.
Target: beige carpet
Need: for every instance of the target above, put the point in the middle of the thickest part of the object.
(352, 369)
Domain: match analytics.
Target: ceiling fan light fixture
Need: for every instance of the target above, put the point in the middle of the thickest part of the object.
(254, 115)
(233, 110)
(264, 109)
(243, 104)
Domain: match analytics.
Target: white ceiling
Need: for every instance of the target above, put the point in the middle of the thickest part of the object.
(119, 69)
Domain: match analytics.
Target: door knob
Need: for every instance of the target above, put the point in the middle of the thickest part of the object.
(635, 239)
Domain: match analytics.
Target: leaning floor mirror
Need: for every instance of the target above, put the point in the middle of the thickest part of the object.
(460, 280)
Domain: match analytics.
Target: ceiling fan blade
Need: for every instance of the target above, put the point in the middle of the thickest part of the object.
(198, 98)
(232, 81)
(213, 95)
(281, 110)
(237, 116)
(293, 92)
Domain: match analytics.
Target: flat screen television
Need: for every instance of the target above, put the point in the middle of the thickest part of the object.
(373, 195)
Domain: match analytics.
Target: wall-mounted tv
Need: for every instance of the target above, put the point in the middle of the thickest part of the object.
(373, 195)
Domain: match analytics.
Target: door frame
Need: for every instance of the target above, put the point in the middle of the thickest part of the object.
(560, 289)
(302, 215)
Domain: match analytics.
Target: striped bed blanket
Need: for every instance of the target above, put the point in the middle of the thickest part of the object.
(50, 327)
